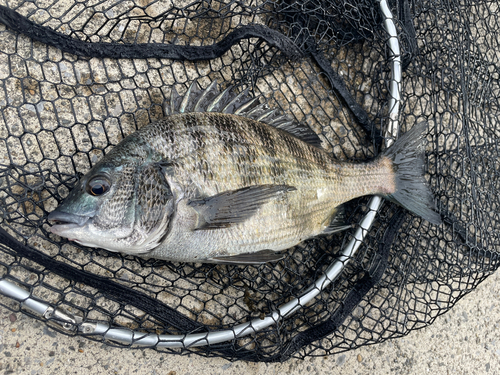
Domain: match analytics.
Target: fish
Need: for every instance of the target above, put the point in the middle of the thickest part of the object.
(222, 178)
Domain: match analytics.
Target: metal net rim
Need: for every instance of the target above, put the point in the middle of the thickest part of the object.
(127, 336)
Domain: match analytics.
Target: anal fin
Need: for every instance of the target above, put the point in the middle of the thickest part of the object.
(338, 222)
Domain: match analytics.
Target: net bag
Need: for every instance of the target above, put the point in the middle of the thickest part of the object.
(77, 77)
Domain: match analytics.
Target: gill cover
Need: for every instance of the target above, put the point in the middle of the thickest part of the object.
(154, 207)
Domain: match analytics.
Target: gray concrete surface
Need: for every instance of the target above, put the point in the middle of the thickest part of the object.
(466, 340)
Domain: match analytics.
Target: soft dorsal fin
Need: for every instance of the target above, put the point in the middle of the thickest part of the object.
(227, 101)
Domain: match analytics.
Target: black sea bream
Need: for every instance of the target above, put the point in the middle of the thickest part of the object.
(225, 179)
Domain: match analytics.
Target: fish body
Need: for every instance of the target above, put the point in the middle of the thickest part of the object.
(220, 179)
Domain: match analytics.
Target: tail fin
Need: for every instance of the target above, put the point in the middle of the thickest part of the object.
(412, 190)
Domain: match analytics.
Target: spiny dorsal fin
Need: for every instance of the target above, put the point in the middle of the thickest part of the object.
(227, 101)
(190, 98)
(207, 96)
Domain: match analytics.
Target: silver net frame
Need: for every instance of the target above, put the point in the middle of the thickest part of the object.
(75, 323)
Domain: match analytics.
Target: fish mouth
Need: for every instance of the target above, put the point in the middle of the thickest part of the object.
(63, 221)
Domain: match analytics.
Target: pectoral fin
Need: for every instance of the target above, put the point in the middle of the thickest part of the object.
(259, 257)
(235, 206)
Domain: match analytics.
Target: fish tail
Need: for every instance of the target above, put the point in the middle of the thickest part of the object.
(412, 190)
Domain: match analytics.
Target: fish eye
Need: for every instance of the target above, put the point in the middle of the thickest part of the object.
(98, 186)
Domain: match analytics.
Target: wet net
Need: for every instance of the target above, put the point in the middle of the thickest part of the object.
(78, 76)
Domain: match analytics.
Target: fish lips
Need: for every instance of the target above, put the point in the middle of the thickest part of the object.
(64, 222)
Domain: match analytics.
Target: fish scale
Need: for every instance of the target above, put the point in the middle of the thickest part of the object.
(278, 224)
(233, 186)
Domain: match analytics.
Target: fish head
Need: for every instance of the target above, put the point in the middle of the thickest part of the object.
(123, 208)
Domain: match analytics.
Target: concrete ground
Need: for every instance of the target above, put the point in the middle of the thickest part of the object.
(466, 340)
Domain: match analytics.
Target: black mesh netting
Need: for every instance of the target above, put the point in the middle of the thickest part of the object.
(77, 76)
